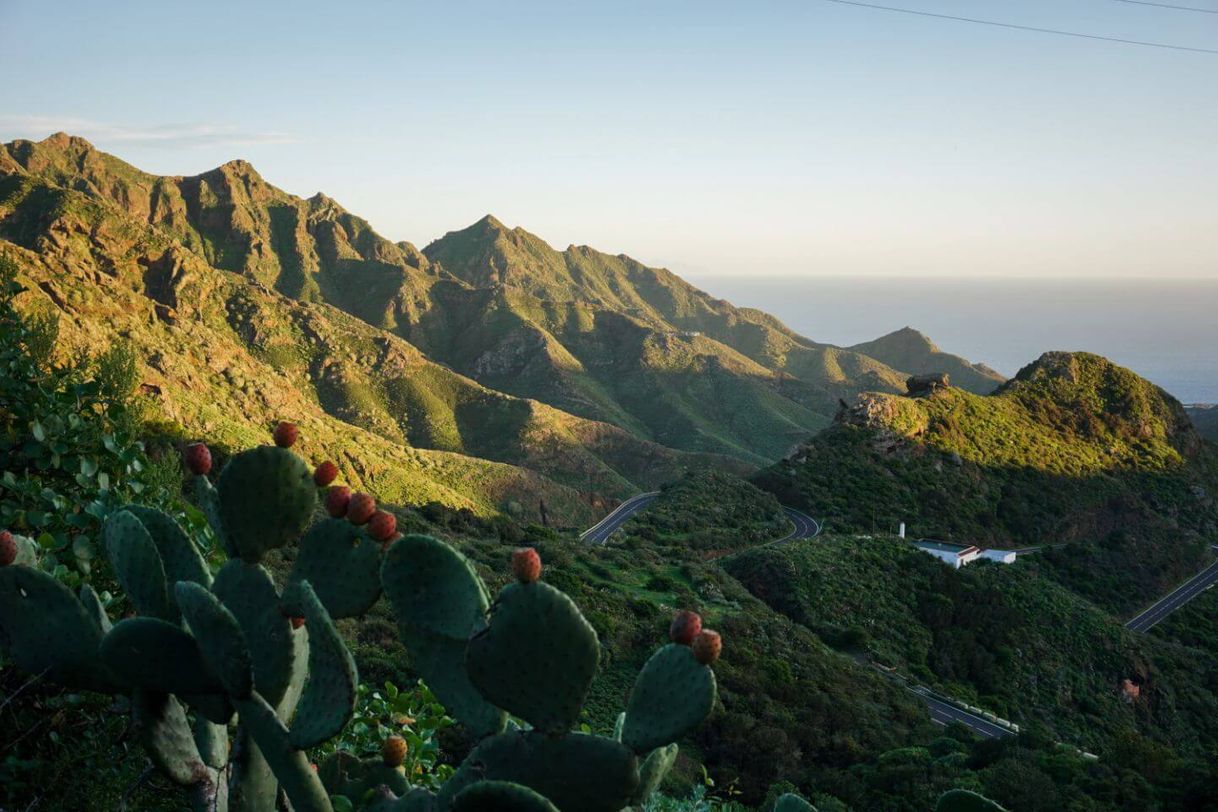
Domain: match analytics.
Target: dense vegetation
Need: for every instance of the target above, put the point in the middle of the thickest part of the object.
(710, 513)
(1074, 449)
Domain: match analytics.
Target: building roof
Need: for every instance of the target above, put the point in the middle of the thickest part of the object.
(943, 546)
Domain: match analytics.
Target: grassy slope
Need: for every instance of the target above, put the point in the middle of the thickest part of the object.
(1206, 421)
(911, 351)
(600, 336)
(226, 356)
(1074, 449)
(708, 513)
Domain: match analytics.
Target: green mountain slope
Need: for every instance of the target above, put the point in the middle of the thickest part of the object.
(1205, 418)
(1073, 449)
(226, 355)
(913, 352)
(1006, 637)
(599, 336)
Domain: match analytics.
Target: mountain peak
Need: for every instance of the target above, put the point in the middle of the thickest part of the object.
(63, 141)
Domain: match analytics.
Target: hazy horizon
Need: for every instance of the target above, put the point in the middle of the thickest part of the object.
(785, 138)
(1158, 328)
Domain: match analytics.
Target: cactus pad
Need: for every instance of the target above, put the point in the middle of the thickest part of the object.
(328, 700)
(672, 695)
(433, 587)
(290, 765)
(343, 566)
(790, 802)
(577, 771)
(247, 591)
(536, 658)
(179, 555)
(164, 730)
(219, 637)
(344, 774)
(267, 497)
(94, 609)
(500, 796)
(158, 656)
(138, 566)
(44, 629)
(441, 662)
(652, 771)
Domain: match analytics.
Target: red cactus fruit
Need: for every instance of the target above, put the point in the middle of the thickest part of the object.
(285, 434)
(325, 474)
(685, 627)
(8, 548)
(361, 508)
(393, 751)
(198, 459)
(706, 646)
(383, 525)
(337, 500)
(297, 622)
(526, 564)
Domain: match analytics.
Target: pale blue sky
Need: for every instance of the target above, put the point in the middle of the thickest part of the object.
(714, 138)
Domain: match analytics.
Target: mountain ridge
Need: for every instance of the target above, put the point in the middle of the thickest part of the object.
(667, 375)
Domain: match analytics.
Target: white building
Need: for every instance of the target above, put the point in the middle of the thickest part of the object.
(957, 555)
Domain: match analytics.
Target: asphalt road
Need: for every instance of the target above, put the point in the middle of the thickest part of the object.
(944, 713)
(1175, 599)
(804, 526)
(600, 532)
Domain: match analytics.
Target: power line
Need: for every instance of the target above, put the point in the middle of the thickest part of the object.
(1168, 5)
(1025, 27)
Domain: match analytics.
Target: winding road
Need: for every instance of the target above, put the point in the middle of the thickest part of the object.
(941, 711)
(803, 525)
(1173, 600)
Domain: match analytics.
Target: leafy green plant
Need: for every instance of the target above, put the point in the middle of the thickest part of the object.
(413, 714)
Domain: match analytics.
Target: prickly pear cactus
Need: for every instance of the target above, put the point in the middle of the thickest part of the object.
(203, 653)
(208, 655)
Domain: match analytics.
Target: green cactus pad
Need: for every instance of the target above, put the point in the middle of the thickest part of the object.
(672, 695)
(790, 802)
(158, 656)
(138, 565)
(342, 773)
(289, 764)
(212, 741)
(343, 566)
(179, 555)
(328, 700)
(962, 800)
(577, 771)
(267, 497)
(441, 662)
(209, 502)
(433, 587)
(219, 637)
(500, 796)
(536, 658)
(248, 592)
(45, 630)
(212, 707)
(93, 608)
(164, 730)
(652, 771)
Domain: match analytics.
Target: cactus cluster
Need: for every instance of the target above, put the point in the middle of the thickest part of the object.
(232, 678)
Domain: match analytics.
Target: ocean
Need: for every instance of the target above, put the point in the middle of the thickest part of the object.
(1165, 330)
